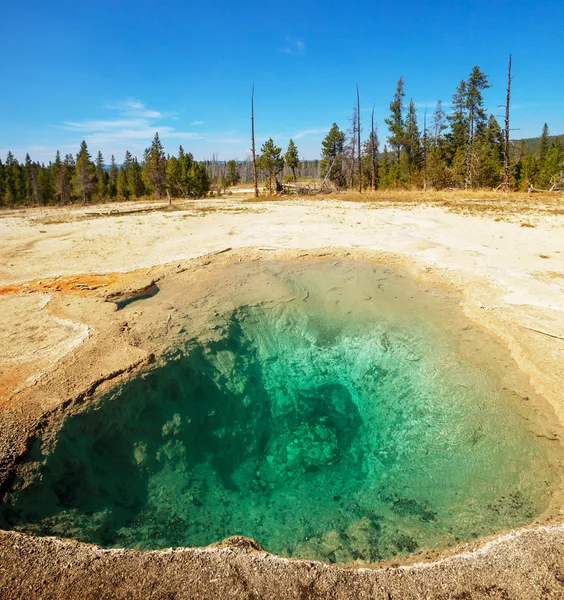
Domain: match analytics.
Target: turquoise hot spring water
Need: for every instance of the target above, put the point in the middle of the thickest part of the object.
(340, 412)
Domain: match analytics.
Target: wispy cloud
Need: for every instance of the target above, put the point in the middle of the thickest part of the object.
(306, 132)
(293, 46)
(135, 125)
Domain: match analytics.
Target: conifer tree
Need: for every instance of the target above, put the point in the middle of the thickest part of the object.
(385, 179)
(154, 167)
(232, 177)
(292, 159)
(112, 179)
(553, 165)
(412, 142)
(101, 177)
(477, 83)
(200, 181)
(395, 122)
(173, 175)
(489, 155)
(332, 148)
(544, 145)
(187, 182)
(438, 124)
(46, 183)
(32, 184)
(63, 185)
(122, 184)
(128, 159)
(371, 158)
(2, 182)
(10, 180)
(459, 119)
(135, 180)
(84, 174)
(270, 161)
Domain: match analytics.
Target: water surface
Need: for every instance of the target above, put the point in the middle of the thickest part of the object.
(338, 412)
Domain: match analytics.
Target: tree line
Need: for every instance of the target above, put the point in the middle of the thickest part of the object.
(465, 149)
(84, 179)
(462, 150)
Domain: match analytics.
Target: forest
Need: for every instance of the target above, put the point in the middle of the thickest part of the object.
(466, 149)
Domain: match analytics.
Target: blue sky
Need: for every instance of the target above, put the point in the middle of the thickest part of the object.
(113, 73)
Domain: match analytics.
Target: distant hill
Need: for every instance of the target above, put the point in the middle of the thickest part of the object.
(533, 143)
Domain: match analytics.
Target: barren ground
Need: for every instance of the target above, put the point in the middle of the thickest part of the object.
(61, 342)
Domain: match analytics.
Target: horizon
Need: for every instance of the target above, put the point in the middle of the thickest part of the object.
(192, 82)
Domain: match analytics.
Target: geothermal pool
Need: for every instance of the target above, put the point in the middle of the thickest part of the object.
(338, 411)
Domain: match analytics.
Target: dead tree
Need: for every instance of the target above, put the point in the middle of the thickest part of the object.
(425, 150)
(373, 154)
(358, 141)
(506, 183)
(255, 174)
(350, 151)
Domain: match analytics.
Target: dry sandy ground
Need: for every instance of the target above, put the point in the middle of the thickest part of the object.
(59, 341)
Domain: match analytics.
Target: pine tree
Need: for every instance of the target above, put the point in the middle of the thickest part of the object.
(112, 179)
(371, 159)
(122, 183)
(32, 182)
(332, 148)
(11, 177)
(63, 187)
(412, 143)
(270, 161)
(459, 119)
(553, 164)
(84, 175)
(489, 155)
(437, 172)
(173, 173)
(232, 177)
(101, 177)
(395, 122)
(292, 159)
(386, 179)
(46, 183)
(135, 180)
(187, 181)
(154, 167)
(477, 83)
(2, 182)
(128, 159)
(438, 124)
(200, 181)
(544, 145)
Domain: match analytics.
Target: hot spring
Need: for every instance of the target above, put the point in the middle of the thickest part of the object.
(338, 411)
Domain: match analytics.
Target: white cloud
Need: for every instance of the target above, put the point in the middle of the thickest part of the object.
(293, 46)
(308, 132)
(134, 127)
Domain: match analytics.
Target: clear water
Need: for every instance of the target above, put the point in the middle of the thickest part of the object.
(321, 432)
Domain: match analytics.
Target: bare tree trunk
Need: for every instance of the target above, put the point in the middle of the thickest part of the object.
(358, 141)
(351, 152)
(425, 150)
(373, 155)
(506, 183)
(255, 175)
